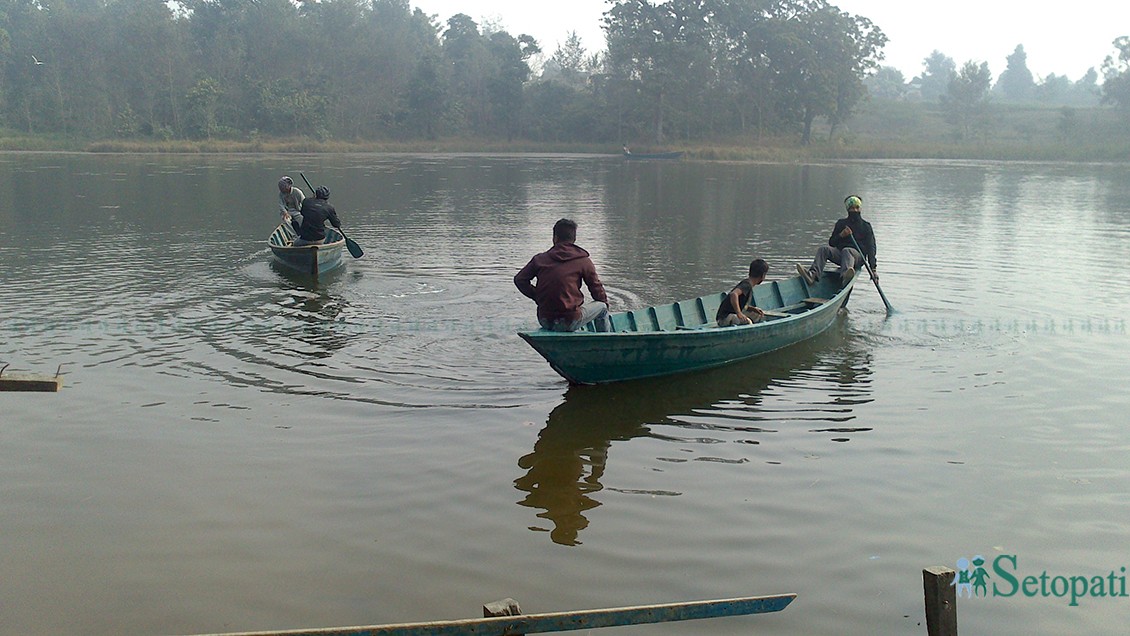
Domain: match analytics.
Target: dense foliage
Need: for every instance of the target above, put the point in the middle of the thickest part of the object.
(673, 70)
(379, 69)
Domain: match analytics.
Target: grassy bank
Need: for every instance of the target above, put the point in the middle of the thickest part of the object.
(892, 130)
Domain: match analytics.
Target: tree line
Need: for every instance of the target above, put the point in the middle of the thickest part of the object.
(676, 70)
(379, 69)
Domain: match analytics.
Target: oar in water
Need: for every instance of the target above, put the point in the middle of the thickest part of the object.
(890, 310)
(350, 244)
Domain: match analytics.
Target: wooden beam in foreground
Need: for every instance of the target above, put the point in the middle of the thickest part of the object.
(558, 621)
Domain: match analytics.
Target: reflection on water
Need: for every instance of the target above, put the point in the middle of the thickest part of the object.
(315, 310)
(817, 384)
(569, 459)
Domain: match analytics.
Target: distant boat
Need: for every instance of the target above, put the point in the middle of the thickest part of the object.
(311, 260)
(684, 336)
(652, 155)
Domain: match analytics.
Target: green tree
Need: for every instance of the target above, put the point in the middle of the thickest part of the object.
(966, 100)
(568, 62)
(887, 83)
(1086, 91)
(148, 50)
(1116, 75)
(820, 57)
(1016, 83)
(745, 73)
(425, 99)
(508, 74)
(655, 51)
(939, 71)
(464, 50)
(202, 103)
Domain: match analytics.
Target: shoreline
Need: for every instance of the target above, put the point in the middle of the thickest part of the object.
(775, 150)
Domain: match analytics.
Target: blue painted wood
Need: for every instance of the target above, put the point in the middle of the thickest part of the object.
(310, 260)
(653, 341)
(560, 621)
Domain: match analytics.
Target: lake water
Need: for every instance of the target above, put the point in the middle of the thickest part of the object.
(236, 449)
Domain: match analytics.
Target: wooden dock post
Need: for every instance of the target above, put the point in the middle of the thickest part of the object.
(941, 601)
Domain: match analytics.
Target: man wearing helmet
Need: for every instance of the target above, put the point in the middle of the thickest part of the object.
(290, 200)
(841, 249)
(315, 212)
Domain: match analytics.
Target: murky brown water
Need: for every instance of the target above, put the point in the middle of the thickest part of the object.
(236, 449)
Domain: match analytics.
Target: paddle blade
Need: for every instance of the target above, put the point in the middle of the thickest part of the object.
(354, 248)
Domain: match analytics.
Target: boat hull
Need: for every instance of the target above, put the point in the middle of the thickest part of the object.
(653, 155)
(682, 337)
(310, 260)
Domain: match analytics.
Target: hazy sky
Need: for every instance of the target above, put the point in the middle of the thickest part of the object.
(1067, 41)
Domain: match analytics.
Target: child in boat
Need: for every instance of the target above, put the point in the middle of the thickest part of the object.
(737, 307)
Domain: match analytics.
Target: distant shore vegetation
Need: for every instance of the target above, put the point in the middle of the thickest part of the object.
(717, 79)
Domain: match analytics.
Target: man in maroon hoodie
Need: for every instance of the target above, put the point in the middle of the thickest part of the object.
(560, 270)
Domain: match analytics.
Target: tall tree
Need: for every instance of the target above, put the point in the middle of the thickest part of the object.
(887, 83)
(967, 97)
(568, 62)
(939, 71)
(821, 56)
(656, 50)
(425, 98)
(508, 74)
(1116, 75)
(1016, 82)
(464, 50)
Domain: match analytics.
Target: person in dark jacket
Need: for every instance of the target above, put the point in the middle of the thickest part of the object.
(315, 212)
(840, 248)
(559, 273)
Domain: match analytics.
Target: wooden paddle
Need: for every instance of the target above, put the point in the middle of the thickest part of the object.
(890, 310)
(354, 249)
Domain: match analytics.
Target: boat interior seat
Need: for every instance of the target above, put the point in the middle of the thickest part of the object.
(697, 314)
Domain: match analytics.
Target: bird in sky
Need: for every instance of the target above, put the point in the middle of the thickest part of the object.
(36, 60)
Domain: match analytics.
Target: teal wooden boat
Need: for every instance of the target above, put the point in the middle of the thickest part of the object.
(684, 336)
(311, 260)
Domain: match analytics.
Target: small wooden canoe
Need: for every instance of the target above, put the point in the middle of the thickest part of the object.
(653, 155)
(311, 260)
(684, 336)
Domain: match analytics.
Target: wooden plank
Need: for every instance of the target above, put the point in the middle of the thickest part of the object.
(558, 621)
(941, 601)
(28, 382)
(816, 301)
(36, 383)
